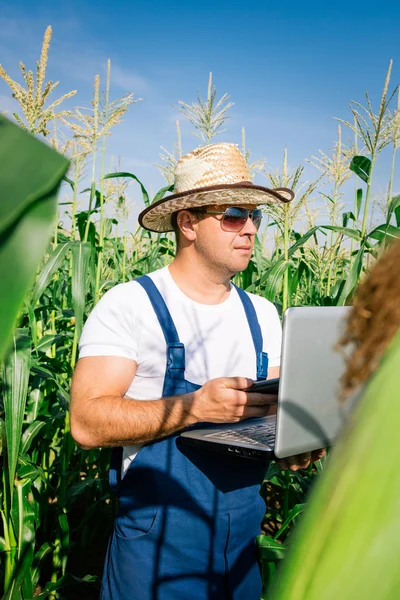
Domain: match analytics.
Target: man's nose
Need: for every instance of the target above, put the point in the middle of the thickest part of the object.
(249, 228)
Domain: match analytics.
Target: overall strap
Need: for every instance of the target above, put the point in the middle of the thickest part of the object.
(175, 349)
(175, 373)
(262, 357)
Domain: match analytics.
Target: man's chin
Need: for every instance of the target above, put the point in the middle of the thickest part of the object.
(240, 266)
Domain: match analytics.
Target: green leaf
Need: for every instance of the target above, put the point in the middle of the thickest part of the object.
(80, 260)
(68, 180)
(32, 323)
(273, 276)
(392, 208)
(33, 405)
(274, 279)
(161, 193)
(2, 436)
(46, 274)
(361, 166)
(359, 196)
(81, 219)
(295, 512)
(270, 549)
(29, 435)
(30, 178)
(353, 233)
(145, 195)
(301, 241)
(48, 340)
(352, 278)
(385, 232)
(30, 472)
(346, 216)
(15, 388)
(97, 195)
(43, 551)
(64, 541)
(65, 581)
(298, 271)
(397, 215)
(81, 486)
(21, 572)
(23, 517)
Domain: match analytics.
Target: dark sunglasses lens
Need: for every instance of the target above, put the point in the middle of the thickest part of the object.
(256, 217)
(235, 218)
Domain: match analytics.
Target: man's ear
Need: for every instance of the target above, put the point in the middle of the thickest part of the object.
(186, 221)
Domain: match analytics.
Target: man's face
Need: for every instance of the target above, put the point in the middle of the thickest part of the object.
(224, 250)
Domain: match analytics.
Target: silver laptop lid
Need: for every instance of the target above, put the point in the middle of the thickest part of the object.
(309, 412)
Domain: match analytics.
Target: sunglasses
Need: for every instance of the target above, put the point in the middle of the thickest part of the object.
(234, 217)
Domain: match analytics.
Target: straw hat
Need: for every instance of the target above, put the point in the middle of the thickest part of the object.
(213, 174)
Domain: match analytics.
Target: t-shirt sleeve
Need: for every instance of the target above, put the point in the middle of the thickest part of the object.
(110, 329)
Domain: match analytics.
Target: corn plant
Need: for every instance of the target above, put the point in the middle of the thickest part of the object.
(32, 99)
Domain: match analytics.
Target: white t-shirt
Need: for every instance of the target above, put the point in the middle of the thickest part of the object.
(217, 337)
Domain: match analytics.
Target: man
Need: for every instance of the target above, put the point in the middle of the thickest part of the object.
(189, 341)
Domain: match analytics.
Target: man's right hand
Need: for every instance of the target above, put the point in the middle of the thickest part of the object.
(223, 400)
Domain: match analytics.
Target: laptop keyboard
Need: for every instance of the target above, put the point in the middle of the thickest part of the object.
(254, 434)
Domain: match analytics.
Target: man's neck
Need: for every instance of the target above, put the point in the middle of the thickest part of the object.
(198, 282)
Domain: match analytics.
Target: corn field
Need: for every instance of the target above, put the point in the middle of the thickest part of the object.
(55, 503)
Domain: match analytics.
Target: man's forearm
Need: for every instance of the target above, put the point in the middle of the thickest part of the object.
(115, 421)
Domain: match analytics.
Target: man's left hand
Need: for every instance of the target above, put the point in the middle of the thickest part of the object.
(301, 461)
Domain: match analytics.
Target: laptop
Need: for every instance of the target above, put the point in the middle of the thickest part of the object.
(309, 415)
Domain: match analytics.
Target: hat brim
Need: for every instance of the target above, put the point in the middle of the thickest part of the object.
(157, 216)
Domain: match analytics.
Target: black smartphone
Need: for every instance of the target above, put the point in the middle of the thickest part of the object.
(268, 386)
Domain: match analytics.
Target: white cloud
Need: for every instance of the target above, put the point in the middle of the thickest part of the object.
(128, 80)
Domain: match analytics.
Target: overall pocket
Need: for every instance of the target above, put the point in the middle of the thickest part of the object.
(134, 522)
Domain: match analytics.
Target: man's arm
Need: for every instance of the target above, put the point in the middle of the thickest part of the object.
(102, 416)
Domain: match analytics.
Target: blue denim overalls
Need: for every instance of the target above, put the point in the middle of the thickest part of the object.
(188, 517)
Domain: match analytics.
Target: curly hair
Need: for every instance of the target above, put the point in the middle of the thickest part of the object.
(373, 320)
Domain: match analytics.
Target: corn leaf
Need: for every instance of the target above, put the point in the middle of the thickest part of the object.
(359, 196)
(295, 512)
(301, 241)
(80, 259)
(347, 546)
(352, 233)
(274, 279)
(30, 178)
(43, 551)
(394, 207)
(64, 581)
(385, 232)
(361, 166)
(15, 388)
(161, 193)
(270, 549)
(2, 436)
(23, 517)
(145, 195)
(29, 435)
(46, 273)
(352, 278)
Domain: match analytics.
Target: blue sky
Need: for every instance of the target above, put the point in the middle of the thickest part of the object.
(288, 67)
